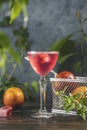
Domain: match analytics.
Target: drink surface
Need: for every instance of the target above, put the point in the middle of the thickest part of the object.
(42, 62)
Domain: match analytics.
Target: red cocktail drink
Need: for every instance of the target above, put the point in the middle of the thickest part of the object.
(42, 63)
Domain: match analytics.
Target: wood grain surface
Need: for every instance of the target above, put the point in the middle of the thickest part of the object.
(21, 120)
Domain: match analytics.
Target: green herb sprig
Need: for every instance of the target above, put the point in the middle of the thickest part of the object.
(75, 102)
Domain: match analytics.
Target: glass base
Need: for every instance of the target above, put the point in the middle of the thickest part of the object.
(42, 114)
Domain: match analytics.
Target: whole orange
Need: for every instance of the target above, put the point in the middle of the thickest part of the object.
(65, 74)
(80, 90)
(13, 96)
(68, 86)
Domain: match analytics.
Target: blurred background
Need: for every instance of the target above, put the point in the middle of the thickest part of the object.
(42, 25)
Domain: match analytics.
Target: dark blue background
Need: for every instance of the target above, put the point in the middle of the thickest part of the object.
(49, 21)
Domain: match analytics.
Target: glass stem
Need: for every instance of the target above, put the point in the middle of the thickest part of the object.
(42, 84)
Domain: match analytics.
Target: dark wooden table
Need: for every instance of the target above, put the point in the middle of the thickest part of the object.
(21, 120)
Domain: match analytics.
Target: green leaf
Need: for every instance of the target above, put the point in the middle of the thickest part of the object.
(15, 55)
(15, 10)
(85, 38)
(1, 3)
(24, 4)
(5, 22)
(22, 38)
(58, 44)
(65, 47)
(65, 57)
(70, 107)
(63, 43)
(68, 47)
(81, 113)
(77, 66)
(21, 31)
(84, 100)
(3, 58)
(77, 96)
(30, 91)
(84, 116)
(4, 41)
(17, 7)
(56, 93)
(22, 44)
(34, 86)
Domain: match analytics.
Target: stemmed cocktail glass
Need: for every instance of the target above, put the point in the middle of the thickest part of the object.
(42, 63)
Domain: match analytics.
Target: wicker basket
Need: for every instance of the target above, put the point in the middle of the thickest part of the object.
(66, 85)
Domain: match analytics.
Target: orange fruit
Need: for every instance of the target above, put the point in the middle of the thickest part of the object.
(65, 74)
(68, 86)
(80, 90)
(13, 96)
